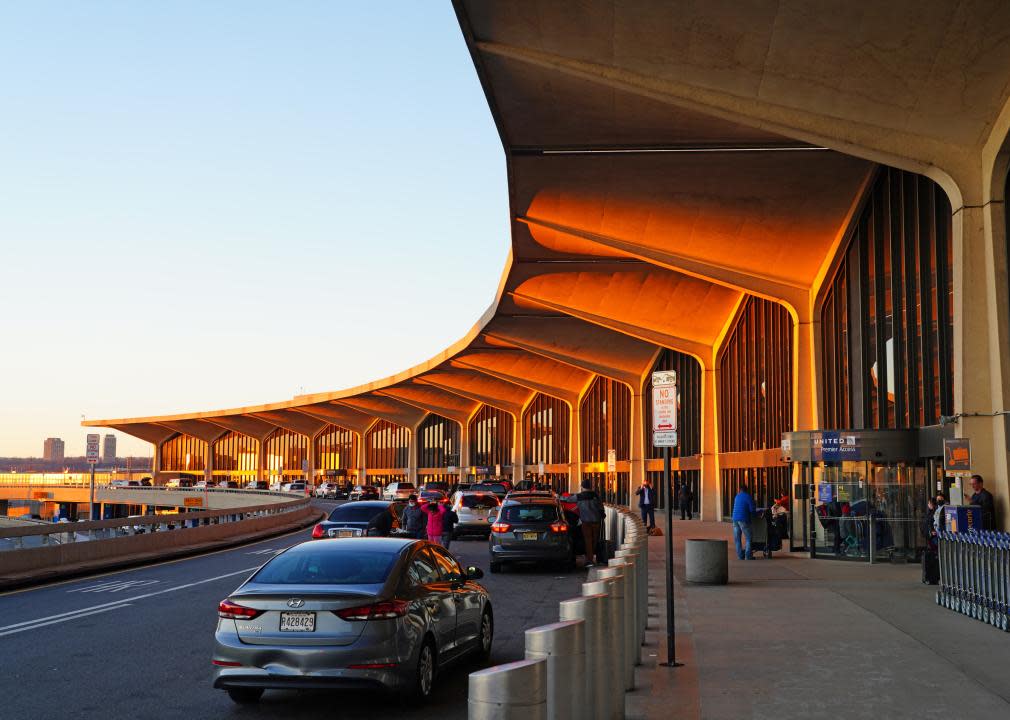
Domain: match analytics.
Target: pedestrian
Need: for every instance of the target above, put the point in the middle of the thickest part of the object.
(591, 514)
(939, 523)
(647, 503)
(685, 498)
(448, 526)
(743, 514)
(381, 524)
(984, 499)
(415, 521)
(436, 513)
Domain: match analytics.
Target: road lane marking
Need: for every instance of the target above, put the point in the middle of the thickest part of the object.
(114, 586)
(80, 612)
(267, 551)
(59, 620)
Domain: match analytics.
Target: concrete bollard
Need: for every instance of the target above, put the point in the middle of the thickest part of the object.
(514, 691)
(594, 611)
(642, 576)
(563, 646)
(612, 657)
(706, 561)
(618, 572)
(630, 556)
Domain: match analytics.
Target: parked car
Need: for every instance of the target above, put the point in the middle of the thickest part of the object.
(383, 613)
(398, 490)
(435, 496)
(531, 528)
(500, 490)
(364, 492)
(294, 487)
(201, 484)
(146, 482)
(341, 490)
(228, 483)
(115, 484)
(257, 485)
(180, 482)
(323, 490)
(475, 511)
(436, 485)
(352, 519)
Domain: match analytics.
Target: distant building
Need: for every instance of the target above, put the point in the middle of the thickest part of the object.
(109, 450)
(53, 450)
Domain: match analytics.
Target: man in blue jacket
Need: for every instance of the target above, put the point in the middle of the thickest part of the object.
(743, 511)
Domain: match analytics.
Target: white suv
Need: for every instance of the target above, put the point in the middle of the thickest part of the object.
(398, 491)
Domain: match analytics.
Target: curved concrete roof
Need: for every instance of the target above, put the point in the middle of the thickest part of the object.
(664, 159)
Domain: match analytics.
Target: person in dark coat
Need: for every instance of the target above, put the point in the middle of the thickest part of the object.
(647, 503)
(381, 524)
(591, 514)
(684, 500)
(415, 521)
(984, 499)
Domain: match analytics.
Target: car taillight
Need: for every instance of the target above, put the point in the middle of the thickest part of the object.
(386, 610)
(499, 527)
(318, 531)
(233, 611)
(226, 663)
(559, 527)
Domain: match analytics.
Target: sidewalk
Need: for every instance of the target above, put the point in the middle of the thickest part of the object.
(793, 637)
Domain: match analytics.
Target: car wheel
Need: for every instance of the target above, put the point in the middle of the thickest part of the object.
(486, 636)
(424, 674)
(245, 696)
(495, 567)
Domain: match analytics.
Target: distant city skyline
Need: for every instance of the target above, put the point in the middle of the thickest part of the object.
(213, 205)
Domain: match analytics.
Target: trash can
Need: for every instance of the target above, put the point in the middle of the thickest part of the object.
(706, 561)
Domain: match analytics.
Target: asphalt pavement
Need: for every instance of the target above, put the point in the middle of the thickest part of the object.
(137, 643)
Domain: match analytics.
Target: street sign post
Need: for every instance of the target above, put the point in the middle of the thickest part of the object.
(94, 440)
(664, 435)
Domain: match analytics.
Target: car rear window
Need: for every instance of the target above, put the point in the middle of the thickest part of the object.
(347, 567)
(480, 501)
(530, 513)
(355, 513)
(405, 486)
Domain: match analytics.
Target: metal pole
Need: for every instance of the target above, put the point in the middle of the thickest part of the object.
(91, 495)
(671, 630)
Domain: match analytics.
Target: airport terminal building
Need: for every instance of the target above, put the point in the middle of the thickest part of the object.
(790, 209)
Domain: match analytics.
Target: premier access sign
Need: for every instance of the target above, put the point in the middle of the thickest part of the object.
(94, 440)
(664, 408)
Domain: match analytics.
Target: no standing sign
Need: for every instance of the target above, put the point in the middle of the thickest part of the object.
(664, 408)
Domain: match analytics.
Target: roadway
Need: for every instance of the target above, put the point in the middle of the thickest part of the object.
(137, 643)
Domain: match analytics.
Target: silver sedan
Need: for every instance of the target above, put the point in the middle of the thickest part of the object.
(380, 613)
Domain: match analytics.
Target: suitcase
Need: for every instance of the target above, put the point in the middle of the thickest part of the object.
(930, 568)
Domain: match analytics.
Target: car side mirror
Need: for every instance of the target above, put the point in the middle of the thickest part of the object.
(474, 573)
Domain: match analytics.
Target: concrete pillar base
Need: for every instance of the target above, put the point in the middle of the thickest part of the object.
(706, 561)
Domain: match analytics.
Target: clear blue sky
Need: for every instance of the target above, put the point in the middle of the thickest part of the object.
(210, 204)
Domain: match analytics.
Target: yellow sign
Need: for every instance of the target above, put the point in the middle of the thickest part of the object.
(41, 495)
(193, 502)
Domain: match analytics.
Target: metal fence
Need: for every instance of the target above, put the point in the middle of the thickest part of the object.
(975, 575)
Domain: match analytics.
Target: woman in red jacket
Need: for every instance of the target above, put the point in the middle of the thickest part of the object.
(436, 514)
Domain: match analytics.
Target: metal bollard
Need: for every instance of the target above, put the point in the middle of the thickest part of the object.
(642, 564)
(563, 646)
(625, 629)
(631, 556)
(613, 650)
(514, 691)
(594, 611)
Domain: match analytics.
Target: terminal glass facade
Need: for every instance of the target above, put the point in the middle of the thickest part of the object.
(491, 434)
(236, 455)
(887, 314)
(438, 447)
(184, 453)
(287, 454)
(755, 397)
(546, 439)
(387, 452)
(688, 424)
(336, 449)
(606, 425)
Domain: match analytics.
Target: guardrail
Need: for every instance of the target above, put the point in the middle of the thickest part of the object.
(975, 575)
(582, 666)
(41, 551)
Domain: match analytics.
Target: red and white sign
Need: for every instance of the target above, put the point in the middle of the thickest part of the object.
(94, 440)
(664, 408)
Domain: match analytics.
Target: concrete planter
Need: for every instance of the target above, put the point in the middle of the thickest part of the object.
(706, 562)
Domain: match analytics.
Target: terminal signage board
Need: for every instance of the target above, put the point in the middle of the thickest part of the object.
(957, 456)
(836, 447)
(92, 447)
(192, 502)
(664, 408)
(611, 461)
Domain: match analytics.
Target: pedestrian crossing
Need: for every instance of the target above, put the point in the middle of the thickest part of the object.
(113, 586)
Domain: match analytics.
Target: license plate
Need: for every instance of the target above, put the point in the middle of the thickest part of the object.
(298, 622)
(531, 536)
(341, 533)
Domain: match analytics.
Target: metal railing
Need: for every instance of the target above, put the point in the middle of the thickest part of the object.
(975, 575)
(581, 667)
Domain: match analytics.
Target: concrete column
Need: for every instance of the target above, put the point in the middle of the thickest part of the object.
(156, 459)
(261, 460)
(805, 403)
(208, 468)
(361, 457)
(981, 349)
(310, 456)
(709, 507)
(637, 431)
(412, 455)
(464, 450)
(575, 450)
(518, 450)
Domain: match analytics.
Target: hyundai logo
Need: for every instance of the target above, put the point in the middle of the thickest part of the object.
(296, 603)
